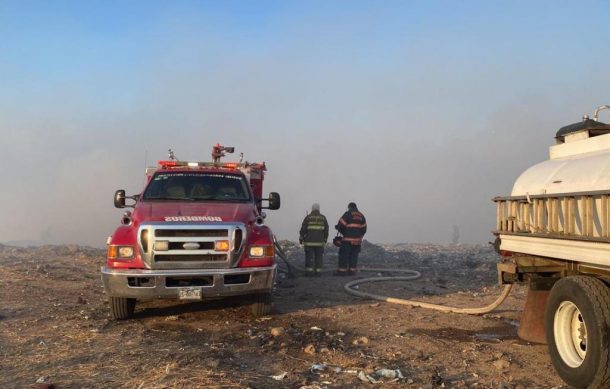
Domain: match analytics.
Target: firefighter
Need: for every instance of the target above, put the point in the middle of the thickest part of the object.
(313, 235)
(352, 226)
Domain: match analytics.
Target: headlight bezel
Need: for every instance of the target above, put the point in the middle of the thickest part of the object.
(121, 252)
(261, 251)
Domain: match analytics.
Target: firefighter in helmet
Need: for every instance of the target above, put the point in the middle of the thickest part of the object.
(313, 235)
(352, 226)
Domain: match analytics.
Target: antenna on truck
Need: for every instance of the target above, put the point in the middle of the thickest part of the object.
(145, 163)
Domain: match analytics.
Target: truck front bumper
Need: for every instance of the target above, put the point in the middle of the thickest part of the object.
(145, 284)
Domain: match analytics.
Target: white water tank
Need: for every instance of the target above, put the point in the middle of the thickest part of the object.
(579, 162)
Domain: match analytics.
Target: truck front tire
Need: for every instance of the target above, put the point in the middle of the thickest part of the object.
(121, 307)
(261, 304)
(577, 322)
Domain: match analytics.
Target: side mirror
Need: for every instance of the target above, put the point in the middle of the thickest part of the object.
(274, 200)
(119, 198)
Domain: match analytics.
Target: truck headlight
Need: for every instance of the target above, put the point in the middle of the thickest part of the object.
(120, 252)
(261, 251)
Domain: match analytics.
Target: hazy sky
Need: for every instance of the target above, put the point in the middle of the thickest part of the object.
(419, 111)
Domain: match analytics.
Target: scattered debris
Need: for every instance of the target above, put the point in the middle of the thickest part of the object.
(280, 377)
(362, 376)
(361, 341)
(317, 367)
(310, 349)
(501, 364)
(387, 373)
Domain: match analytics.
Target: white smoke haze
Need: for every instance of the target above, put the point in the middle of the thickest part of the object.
(420, 134)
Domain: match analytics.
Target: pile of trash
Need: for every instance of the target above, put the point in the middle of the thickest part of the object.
(60, 262)
(441, 263)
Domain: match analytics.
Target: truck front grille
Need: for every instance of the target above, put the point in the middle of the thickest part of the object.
(190, 233)
(202, 245)
(189, 246)
(202, 258)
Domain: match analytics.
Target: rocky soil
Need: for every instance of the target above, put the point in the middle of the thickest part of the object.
(55, 329)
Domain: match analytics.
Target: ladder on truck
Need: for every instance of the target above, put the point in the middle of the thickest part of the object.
(578, 216)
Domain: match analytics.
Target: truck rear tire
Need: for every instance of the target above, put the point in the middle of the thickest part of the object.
(577, 321)
(121, 307)
(261, 304)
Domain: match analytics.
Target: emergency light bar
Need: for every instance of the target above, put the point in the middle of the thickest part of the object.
(226, 165)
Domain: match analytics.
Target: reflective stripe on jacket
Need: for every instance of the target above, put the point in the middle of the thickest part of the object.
(352, 226)
(314, 230)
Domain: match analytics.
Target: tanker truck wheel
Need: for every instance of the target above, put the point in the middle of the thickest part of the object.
(121, 307)
(577, 321)
(261, 304)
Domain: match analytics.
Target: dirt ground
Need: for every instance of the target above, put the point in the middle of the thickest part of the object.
(55, 328)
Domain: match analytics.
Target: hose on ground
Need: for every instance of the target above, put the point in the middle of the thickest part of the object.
(280, 253)
(349, 288)
(411, 275)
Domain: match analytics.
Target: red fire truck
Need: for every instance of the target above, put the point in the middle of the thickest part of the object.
(196, 232)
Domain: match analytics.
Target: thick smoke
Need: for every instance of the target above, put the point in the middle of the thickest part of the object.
(420, 133)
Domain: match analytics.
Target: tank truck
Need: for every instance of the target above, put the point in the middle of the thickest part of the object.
(553, 233)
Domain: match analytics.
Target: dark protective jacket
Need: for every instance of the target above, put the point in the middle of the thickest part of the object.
(314, 230)
(352, 226)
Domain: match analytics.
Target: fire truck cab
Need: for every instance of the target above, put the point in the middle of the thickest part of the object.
(196, 232)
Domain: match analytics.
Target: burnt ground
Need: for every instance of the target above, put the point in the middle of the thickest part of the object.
(55, 328)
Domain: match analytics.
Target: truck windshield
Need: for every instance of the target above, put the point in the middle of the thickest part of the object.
(194, 186)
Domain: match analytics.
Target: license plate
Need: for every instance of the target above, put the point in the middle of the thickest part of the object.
(189, 293)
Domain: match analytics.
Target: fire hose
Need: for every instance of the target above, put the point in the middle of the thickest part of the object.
(411, 275)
